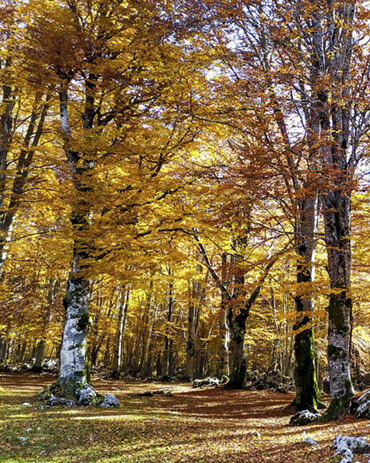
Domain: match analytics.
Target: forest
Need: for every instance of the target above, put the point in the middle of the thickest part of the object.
(184, 200)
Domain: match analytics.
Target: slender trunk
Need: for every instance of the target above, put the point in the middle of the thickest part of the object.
(2, 349)
(40, 352)
(224, 367)
(95, 349)
(122, 317)
(107, 353)
(146, 369)
(167, 352)
(193, 323)
(31, 140)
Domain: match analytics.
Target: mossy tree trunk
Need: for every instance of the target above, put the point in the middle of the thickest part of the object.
(340, 160)
(73, 372)
(337, 229)
(307, 390)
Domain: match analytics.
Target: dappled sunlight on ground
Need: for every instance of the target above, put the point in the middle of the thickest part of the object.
(192, 426)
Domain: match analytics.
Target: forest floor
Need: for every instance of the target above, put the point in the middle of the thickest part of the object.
(193, 426)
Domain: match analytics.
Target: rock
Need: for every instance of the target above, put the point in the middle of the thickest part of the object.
(86, 395)
(206, 382)
(53, 400)
(360, 406)
(67, 403)
(110, 401)
(304, 417)
(23, 439)
(26, 404)
(346, 453)
(354, 444)
(310, 441)
(269, 380)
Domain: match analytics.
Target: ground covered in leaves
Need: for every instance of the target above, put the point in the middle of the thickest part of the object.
(192, 426)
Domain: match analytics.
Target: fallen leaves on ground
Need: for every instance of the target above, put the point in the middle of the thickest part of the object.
(192, 426)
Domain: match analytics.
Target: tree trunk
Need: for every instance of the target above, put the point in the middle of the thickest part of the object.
(193, 324)
(147, 367)
(337, 231)
(237, 359)
(73, 372)
(122, 317)
(307, 390)
(40, 352)
(95, 350)
(167, 352)
(339, 165)
(224, 367)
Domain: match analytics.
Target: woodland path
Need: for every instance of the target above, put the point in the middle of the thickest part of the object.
(192, 426)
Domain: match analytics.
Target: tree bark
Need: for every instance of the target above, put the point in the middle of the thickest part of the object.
(193, 324)
(307, 390)
(122, 317)
(167, 351)
(40, 352)
(74, 373)
(339, 164)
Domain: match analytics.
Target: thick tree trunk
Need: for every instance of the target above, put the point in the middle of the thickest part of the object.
(73, 372)
(339, 163)
(237, 358)
(337, 231)
(307, 390)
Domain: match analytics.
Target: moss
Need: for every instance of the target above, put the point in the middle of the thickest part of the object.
(336, 409)
(338, 405)
(87, 370)
(83, 321)
(334, 352)
(307, 388)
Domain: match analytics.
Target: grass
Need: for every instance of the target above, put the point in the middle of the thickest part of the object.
(193, 426)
